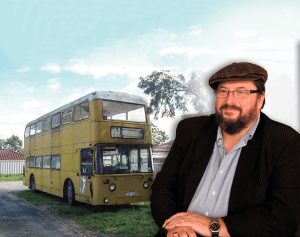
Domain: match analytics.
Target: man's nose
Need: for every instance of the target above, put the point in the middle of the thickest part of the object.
(230, 97)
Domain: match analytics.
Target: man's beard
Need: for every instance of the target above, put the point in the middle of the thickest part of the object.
(231, 126)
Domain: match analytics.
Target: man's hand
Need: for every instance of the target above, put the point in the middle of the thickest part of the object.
(181, 232)
(198, 223)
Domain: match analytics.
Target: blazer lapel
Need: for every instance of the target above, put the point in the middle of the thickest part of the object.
(245, 166)
(203, 149)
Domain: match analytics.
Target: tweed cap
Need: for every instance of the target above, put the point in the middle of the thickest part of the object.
(241, 71)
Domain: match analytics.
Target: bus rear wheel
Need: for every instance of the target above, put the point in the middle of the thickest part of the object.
(69, 193)
(32, 183)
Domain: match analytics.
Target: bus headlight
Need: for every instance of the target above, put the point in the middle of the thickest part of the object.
(112, 187)
(146, 185)
(106, 200)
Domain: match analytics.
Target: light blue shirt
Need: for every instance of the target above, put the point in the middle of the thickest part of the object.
(212, 195)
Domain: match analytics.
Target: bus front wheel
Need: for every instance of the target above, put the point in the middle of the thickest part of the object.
(32, 183)
(69, 193)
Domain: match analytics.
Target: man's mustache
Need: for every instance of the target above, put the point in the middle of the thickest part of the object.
(227, 106)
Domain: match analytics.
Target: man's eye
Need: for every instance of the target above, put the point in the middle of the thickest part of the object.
(223, 91)
(240, 92)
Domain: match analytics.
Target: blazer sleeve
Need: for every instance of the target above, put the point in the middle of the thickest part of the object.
(279, 213)
(163, 198)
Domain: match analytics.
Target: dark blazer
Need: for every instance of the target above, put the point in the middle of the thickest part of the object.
(265, 193)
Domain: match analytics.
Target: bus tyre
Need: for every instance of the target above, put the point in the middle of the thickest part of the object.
(32, 183)
(69, 193)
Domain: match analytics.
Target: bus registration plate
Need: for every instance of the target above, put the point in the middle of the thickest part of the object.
(130, 194)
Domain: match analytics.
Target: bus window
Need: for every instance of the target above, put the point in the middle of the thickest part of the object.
(32, 129)
(46, 162)
(55, 120)
(31, 162)
(134, 160)
(122, 160)
(27, 131)
(86, 161)
(81, 111)
(47, 124)
(39, 127)
(113, 110)
(67, 116)
(38, 162)
(110, 158)
(115, 160)
(55, 162)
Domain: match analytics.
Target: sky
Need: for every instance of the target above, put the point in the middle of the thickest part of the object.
(53, 52)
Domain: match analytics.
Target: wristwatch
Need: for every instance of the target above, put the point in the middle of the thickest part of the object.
(214, 227)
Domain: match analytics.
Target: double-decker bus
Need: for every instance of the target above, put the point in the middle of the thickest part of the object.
(96, 150)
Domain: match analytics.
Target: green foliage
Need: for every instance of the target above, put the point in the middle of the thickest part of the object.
(13, 143)
(166, 91)
(11, 177)
(158, 136)
(130, 220)
(171, 92)
(116, 221)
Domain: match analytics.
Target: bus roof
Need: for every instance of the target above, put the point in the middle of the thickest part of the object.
(106, 95)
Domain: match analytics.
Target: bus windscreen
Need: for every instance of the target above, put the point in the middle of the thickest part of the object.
(115, 110)
(122, 160)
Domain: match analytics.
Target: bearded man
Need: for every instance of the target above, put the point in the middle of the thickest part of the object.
(234, 173)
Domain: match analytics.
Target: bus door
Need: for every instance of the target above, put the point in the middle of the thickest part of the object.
(86, 171)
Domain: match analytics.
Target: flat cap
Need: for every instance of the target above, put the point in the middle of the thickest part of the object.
(241, 71)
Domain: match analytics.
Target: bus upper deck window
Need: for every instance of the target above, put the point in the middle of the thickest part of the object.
(32, 129)
(47, 124)
(55, 120)
(116, 110)
(81, 111)
(67, 116)
(27, 130)
(39, 126)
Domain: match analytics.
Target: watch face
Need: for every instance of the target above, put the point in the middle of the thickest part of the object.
(214, 227)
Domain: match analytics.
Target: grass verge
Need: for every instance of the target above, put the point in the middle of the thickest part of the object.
(11, 177)
(116, 221)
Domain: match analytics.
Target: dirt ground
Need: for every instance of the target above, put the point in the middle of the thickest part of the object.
(19, 218)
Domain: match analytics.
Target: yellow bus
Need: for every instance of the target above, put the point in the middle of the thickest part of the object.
(96, 150)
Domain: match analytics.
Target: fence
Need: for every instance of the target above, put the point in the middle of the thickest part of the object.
(11, 166)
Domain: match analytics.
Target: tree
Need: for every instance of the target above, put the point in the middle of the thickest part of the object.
(158, 136)
(14, 143)
(171, 92)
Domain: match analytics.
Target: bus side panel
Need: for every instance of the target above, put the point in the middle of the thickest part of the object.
(67, 139)
(82, 134)
(46, 180)
(38, 175)
(46, 144)
(55, 188)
